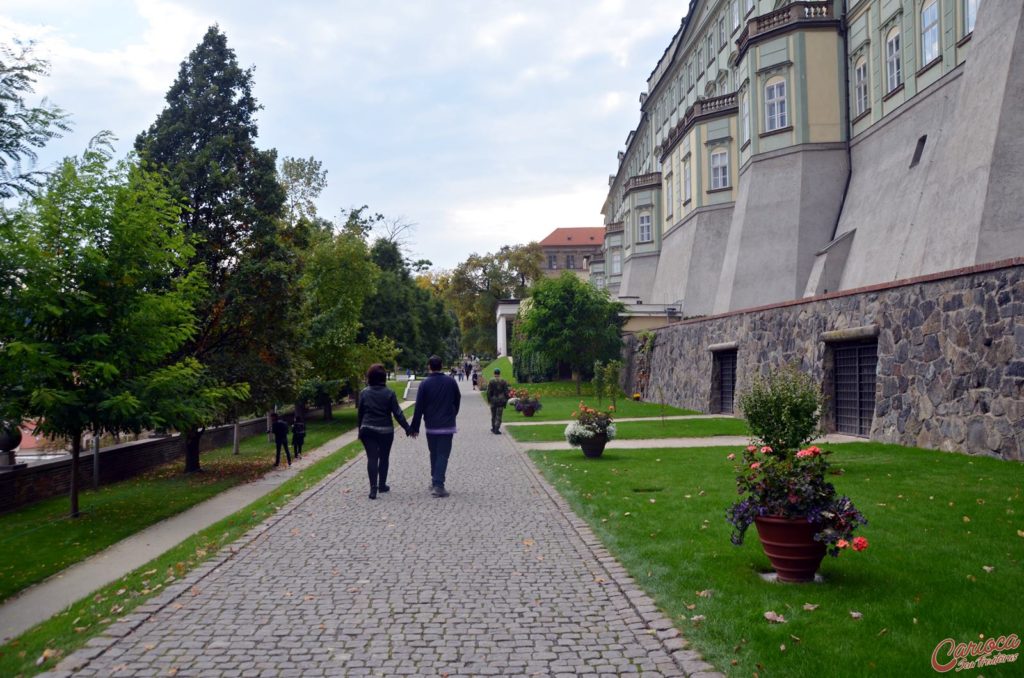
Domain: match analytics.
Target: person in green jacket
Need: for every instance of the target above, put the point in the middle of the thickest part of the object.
(497, 398)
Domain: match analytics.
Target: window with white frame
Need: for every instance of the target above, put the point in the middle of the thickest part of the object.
(644, 233)
(721, 32)
(570, 261)
(616, 262)
(552, 261)
(745, 116)
(776, 115)
(750, 5)
(929, 32)
(860, 86)
(970, 15)
(689, 78)
(710, 41)
(735, 15)
(719, 168)
(893, 60)
(687, 181)
(669, 204)
(700, 59)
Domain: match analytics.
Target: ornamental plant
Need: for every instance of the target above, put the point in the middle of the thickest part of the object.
(590, 423)
(521, 399)
(787, 479)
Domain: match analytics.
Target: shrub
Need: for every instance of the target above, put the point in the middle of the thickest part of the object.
(782, 409)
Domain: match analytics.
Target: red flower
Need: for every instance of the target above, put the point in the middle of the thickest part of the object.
(766, 450)
(842, 543)
(751, 448)
(731, 457)
(859, 543)
(756, 465)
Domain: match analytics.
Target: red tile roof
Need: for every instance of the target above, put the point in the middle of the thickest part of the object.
(569, 237)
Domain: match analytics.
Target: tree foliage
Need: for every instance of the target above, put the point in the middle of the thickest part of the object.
(97, 293)
(477, 284)
(416, 319)
(23, 127)
(303, 179)
(571, 321)
(205, 142)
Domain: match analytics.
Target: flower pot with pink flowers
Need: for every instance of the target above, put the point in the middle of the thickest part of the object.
(783, 480)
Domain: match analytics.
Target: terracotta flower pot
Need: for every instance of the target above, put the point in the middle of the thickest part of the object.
(594, 447)
(790, 546)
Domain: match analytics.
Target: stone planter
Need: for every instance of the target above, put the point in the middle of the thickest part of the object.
(790, 546)
(594, 447)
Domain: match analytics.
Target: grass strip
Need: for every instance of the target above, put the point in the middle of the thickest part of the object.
(642, 430)
(945, 561)
(47, 541)
(71, 629)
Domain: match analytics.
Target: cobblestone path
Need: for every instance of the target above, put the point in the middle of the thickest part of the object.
(500, 578)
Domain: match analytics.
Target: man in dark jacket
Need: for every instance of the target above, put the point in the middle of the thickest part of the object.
(437, 403)
(279, 428)
(497, 398)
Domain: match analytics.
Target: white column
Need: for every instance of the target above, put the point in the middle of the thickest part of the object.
(502, 347)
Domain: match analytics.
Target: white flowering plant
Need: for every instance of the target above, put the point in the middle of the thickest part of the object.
(590, 423)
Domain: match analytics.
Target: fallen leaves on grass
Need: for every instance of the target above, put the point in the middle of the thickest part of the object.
(774, 617)
(706, 593)
(697, 618)
(855, 615)
(810, 607)
(987, 568)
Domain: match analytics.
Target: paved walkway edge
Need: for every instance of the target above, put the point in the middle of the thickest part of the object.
(122, 627)
(54, 594)
(660, 628)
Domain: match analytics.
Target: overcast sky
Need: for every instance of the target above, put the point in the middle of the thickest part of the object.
(485, 122)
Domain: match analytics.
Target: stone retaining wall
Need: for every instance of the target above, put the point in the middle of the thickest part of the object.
(117, 462)
(950, 369)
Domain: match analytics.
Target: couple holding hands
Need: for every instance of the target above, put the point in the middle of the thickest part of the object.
(437, 403)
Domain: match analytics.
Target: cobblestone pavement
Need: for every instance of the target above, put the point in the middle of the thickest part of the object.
(500, 578)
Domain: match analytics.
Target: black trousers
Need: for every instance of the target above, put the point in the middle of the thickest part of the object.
(378, 455)
(282, 442)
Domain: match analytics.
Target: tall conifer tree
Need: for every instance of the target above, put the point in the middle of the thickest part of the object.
(205, 141)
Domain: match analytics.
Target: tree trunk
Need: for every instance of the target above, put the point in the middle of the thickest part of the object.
(327, 410)
(270, 434)
(236, 438)
(576, 378)
(76, 450)
(192, 438)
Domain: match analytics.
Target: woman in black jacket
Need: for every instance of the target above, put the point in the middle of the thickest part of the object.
(377, 405)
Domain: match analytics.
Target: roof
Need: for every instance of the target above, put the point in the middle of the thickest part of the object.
(570, 237)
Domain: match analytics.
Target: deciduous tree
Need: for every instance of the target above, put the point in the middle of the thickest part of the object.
(572, 321)
(97, 293)
(23, 127)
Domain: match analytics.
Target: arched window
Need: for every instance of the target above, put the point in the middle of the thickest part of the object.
(929, 32)
(719, 168)
(893, 60)
(776, 114)
(860, 86)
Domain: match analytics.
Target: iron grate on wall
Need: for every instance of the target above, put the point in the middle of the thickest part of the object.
(726, 380)
(855, 367)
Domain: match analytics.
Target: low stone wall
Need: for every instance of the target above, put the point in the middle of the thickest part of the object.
(117, 462)
(950, 371)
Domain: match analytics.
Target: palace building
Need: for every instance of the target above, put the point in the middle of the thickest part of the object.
(787, 149)
(836, 184)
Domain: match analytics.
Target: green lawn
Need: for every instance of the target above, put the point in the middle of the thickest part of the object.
(47, 541)
(946, 558)
(561, 408)
(642, 430)
(71, 629)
